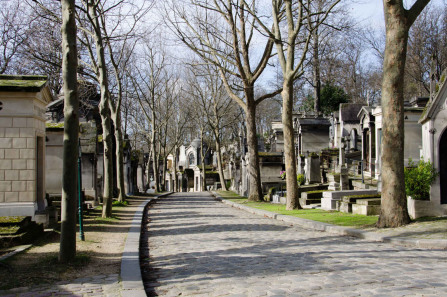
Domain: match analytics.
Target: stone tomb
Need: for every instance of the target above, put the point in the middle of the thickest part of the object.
(22, 145)
(330, 199)
(434, 148)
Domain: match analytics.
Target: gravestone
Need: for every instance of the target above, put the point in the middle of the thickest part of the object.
(312, 169)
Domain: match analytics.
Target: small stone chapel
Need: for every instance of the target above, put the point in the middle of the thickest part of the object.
(434, 148)
(22, 145)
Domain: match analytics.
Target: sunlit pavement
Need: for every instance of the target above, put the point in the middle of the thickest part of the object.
(200, 247)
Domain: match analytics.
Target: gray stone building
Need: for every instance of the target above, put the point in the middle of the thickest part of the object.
(434, 148)
(22, 145)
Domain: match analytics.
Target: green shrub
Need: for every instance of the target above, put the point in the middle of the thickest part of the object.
(300, 179)
(418, 178)
(120, 203)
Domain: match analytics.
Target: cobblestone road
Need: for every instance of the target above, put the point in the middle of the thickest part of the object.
(200, 247)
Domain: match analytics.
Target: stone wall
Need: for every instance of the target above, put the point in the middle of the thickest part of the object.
(18, 158)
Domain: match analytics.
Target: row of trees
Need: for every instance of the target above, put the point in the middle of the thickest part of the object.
(147, 93)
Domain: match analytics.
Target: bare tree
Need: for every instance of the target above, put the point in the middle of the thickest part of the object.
(222, 33)
(67, 251)
(121, 44)
(149, 82)
(13, 33)
(104, 105)
(299, 29)
(398, 21)
(218, 109)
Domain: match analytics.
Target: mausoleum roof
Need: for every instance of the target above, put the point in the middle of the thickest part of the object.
(22, 83)
(349, 111)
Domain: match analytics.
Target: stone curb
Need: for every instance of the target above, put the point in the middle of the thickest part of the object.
(130, 274)
(340, 230)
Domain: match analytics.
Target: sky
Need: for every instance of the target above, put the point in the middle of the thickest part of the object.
(370, 12)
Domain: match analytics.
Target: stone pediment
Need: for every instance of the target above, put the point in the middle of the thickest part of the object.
(434, 106)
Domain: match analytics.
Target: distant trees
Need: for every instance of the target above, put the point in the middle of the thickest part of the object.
(330, 98)
(13, 33)
(217, 110)
(222, 33)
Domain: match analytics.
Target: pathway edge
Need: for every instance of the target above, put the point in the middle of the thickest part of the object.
(130, 272)
(339, 230)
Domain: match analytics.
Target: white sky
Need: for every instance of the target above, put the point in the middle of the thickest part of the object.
(370, 12)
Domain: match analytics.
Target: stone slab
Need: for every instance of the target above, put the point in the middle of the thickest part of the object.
(366, 210)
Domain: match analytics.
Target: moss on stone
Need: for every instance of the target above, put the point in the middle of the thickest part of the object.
(55, 125)
(30, 83)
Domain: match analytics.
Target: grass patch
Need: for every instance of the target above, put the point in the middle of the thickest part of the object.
(117, 203)
(430, 219)
(11, 219)
(9, 229)
(230, 195)
(319, 215)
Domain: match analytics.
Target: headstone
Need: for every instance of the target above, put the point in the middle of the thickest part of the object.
(344, 178)
(312, 169)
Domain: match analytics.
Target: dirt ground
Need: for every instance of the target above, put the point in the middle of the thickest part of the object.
(100, 253)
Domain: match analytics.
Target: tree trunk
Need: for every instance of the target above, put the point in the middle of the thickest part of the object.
(289, 146)
(255, 190)
(154, 156)
(164, 174)
(202, 161)
(119, 157)
(174, 166)
(219, 161)
(316, 72)
(104, 110)
(69, 199)
(394, 211)
(108, 162)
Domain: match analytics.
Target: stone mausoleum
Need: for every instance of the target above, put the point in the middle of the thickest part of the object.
(22, 145)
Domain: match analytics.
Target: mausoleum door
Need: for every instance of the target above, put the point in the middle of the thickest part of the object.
(40, 195)
(443, 166)
(367, 151)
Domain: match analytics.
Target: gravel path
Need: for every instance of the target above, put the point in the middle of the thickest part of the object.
(200, 247)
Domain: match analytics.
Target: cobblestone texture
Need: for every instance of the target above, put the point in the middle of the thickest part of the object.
(200, 247)
(99, 285)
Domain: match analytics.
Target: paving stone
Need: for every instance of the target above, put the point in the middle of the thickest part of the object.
(198, 243)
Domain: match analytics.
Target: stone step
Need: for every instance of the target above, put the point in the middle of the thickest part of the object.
(358, 185)
(312, 195)
(354, 199)
(370, 201)
(366, 210)
(304, 201)
(343, 206)
(328, 202)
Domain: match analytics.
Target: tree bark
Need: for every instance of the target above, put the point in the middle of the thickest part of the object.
(119, 156)
(174, 166)
(254, 173)
(219, 160)
(202, 161)
(104, 110)
(289, 146)
(316, 71)
(154, 155)
(69, 199)
(398, 21)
